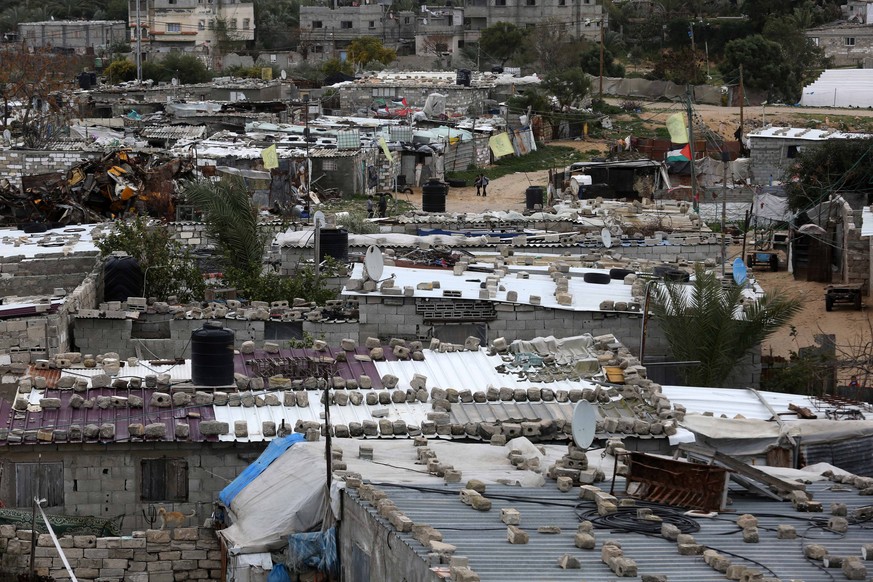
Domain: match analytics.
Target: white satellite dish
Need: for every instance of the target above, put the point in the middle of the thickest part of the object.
(174, 81)
(584, 424)
(283, 74)
(606, 237)
(318, 218)
(373, 262)
(7, 135)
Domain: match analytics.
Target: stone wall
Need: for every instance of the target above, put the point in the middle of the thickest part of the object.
(188, 553)
(17, 163)
(105, 480)
(45, 273)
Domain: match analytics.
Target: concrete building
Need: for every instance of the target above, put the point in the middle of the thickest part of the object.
(191, 25)
(847, 44)
(79, 36)
(440, 30)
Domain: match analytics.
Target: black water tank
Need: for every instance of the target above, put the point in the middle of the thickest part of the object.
(533, 196)
(122, 278)
(433, 196)
(212, 355)
(334, 243)
(464, 76)
(84, 81)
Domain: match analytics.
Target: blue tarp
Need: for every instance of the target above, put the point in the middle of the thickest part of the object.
(275, 449)
(313, 551)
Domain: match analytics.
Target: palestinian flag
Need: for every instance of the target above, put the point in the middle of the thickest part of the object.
(681, 155)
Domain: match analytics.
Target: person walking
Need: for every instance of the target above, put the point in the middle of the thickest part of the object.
(370, 213)
(483, 182)
(383, 205)
(478, 183)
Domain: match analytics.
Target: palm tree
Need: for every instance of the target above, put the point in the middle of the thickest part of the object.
(716, 325)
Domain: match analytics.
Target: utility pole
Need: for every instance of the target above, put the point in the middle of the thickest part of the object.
(601, 59)
(694, 199)
(138, 45)
(742, 99)
(725, 157)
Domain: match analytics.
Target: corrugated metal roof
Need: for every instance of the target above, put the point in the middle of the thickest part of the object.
(585, 296)
(178, 372)
(804, 133)
(481, 536)
(173, 132)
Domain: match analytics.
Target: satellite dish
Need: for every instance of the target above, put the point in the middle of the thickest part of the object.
(584, 424)
(7, 135)
(318, 218)
(606, 237)
(174, 81)
(373, 262)
(740, 271)
(283, 74)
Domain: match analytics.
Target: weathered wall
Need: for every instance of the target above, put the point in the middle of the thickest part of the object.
(42, 275)
(105, 480)
(17, 163)
(770, 158)
(367, 554)
(358, 96)
(189, 553)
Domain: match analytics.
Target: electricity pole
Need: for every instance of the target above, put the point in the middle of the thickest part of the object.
(138, 45)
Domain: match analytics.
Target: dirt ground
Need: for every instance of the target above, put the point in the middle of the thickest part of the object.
(852, 328)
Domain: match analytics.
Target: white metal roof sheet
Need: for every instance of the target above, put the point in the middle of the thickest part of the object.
(867, 222)
(585, 296)
(731, 402)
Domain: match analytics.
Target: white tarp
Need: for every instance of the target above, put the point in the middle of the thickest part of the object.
(288, 497)
(753, 437)
(771, 207)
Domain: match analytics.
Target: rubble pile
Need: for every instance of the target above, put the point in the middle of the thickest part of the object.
(94, 190)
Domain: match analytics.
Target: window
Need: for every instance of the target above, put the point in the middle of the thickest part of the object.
(372, 24)
(318, 49)
(328, 165)
(562, 2)
(232, 24)
(461, 44)
(500, 2)
(531, 2)
(49, 477)
(171, 1)
(317, 24)
(201, 25)
(164, 480)
(814, 40)
(406, 20)
(246, 23)
(793, 151)
(174, 27)
(211, 25)
(346, 24)
(850, 41)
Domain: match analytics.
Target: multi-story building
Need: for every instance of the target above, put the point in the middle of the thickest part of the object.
(191, 25)
(441, 30)
(80, 36)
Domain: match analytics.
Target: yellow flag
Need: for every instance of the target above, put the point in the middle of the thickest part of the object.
(384, 145)
(501, 146)
(270, 157)
(676, 127)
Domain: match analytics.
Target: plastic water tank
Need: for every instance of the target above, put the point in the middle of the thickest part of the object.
(334, 243)
(433, 196)
(212, 355)
(122, 278)
(463, 77)
(533, 196)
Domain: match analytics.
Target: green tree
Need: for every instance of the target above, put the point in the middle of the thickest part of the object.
(120, 70)
(568, 86)
(333, 66)
(501, 41)
(167, 263)
(185, 67)
(275, 21)
(232, 220)
(590, 63)
(365, 49)
(833, 166)
(714, 325)
(681, 66)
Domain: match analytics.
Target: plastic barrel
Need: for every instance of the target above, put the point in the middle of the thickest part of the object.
(122, 278)
(212, 355)
(433, 196)
(334, 243)
(533, 196)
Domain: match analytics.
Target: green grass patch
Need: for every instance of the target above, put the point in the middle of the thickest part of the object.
(544, 158)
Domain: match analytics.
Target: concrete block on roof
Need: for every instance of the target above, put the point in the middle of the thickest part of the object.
(516, 535)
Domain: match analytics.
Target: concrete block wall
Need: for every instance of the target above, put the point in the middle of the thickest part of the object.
(188, 553)
(42, 275)
(17, 163)
(458, 97)
(768, 158)
(105, 480)
(857, 253)
(193, 234)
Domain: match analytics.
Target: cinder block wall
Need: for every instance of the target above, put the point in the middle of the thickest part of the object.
(17, 163)
(105, 480)
(189, 553)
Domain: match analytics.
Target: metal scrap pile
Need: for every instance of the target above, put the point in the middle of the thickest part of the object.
(95, 190)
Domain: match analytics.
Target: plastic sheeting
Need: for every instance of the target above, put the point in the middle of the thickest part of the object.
(289, 496)
(755, 437)
(313, 551)
(575, 351)
(771, 207)
(275, 450)
(614, 86)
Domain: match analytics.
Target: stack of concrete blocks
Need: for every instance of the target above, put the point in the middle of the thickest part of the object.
(17, 163)
(613, 556)
(150, 556)
(572, 469)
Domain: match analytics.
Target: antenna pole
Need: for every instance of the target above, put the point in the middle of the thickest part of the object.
(138, 45)
(694, 199)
